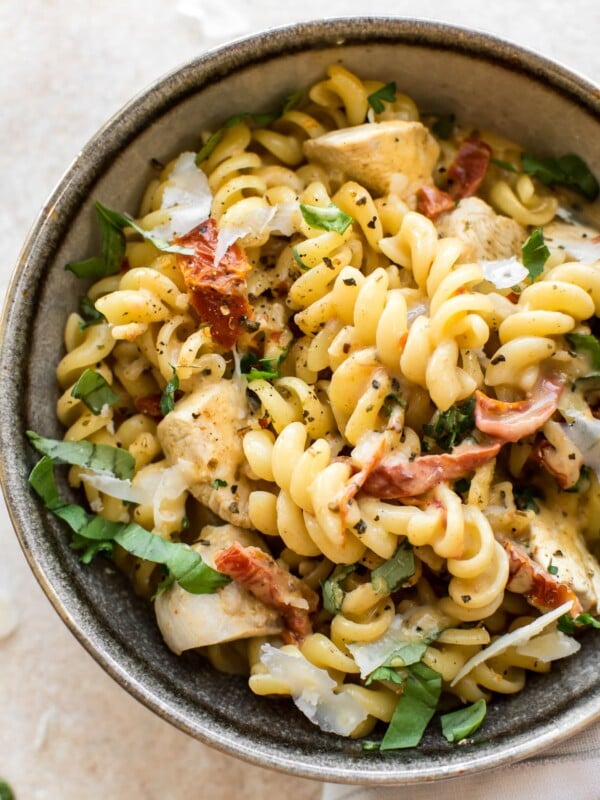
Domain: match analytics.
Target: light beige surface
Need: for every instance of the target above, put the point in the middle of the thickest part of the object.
(66, 730)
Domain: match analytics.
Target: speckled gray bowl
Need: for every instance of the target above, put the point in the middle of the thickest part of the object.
(445, 69)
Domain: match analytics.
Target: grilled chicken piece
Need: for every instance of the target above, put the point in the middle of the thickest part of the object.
(375, 153)
(198, 620)
(486, 236)
(204, 429)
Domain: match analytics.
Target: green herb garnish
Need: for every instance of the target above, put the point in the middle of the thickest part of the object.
(387, 93)
(330, 218)
(333, 594)
(535, 253)
(213, 140)
(569, 170)
(503, 164)
(450, 427)
(552, 568)
(570, 625)
(112, 225)
(93, 390)
(6, 793)
(443, 127)
(167, 398)
(93, 534)
(390, 575)
(458, 725)
(268, 369)
(219, 483)
(89, 313)
(525, 498)
(97, 457)
(415, 708)
(386, 674)
(587, 345)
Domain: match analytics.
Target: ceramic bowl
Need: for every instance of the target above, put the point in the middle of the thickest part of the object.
(479, 78)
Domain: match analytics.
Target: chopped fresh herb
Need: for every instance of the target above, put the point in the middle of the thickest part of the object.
(333, 594)
(569, 170)
(386, 674)
(298, 259)
(219, 483)
(267, 369)
(112, 225)
(387, 93)
(167, 398)
(390, 575)
(462, 485)
(97, 457)
(415, 708)
(95, 533)
(570, 625)
(552, 568)
(525, 498)
(94, 390)
(503, 164)
(89, 313)
(329, 218)
(369, 744)
(6, 793)
(450, 427)
(587, 345)
(443, 127)
(408, 654)
(209, 146)
(458, 725)
(535, 253)
(391, 400)
(293, 100)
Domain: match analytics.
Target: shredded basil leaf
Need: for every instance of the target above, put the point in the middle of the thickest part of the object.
(458, 725)
(535, 253)
(386, 674)
(443, 127)
(209, 146)
(268, 369)
(570, 625)
(330, 218)
(122, 221)
(552, 568)
(293, 100)
(96, 533)
(6, 793)
(97, 457)
(569, 170)
(167, 398)
(333, 594)
(93, 390)
(586, 345)
(112, 254)
(219, 483)
(368, 744)
(408, 654)
(503, 164)
(89, 313)
(387, 93)
(415, 708)
(450, 427)
(298, 259)
(390, 575)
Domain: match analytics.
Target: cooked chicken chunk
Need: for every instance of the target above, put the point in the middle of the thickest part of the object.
(198, 620)
(486, 236)
(383, 156)
(204, 428)
(555, 539)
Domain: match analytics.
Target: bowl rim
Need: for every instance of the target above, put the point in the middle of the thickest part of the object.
(98, 154)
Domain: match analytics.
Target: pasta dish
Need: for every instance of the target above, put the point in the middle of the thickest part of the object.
(332, 401)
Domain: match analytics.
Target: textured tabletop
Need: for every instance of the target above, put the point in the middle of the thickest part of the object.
(67, 731)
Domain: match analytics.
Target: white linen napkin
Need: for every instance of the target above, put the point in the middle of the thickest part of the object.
(569, 771)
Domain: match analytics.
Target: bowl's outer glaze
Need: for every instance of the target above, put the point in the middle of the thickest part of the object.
(500, 86)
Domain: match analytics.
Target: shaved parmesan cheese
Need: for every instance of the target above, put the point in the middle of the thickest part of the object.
(505, 272)
(550, 647)
(313, 692)
(582, 428)
(258, 221)
(115, 487)
(515, 638)
(371, 655)
(578, 241)
(187, 198)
